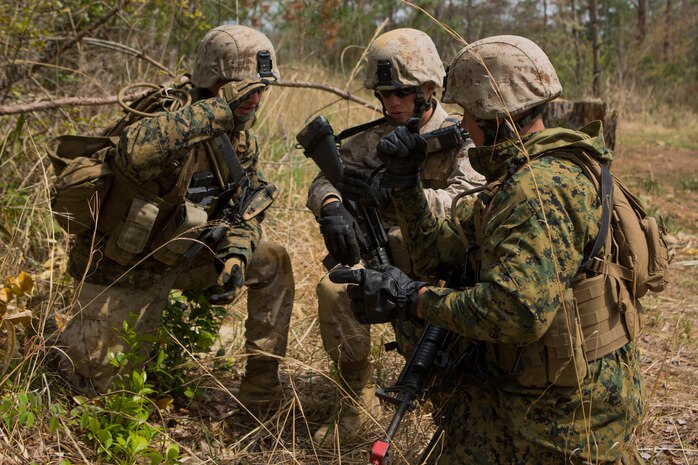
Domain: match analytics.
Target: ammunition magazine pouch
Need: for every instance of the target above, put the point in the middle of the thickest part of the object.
(601, 311)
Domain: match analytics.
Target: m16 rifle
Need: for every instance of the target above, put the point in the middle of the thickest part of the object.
(251, 200)
(320, 144)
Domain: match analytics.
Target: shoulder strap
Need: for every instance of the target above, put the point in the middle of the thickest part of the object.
(358, 129)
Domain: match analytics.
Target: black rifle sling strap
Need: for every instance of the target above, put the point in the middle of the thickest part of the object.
(358, 129)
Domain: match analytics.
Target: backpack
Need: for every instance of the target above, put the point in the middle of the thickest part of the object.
(602, 311)
(81, 163)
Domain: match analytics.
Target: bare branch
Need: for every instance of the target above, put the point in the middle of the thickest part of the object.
(43, 105)
(54, 51)
(334, 90)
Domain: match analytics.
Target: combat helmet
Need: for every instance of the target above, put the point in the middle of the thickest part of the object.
(404, 58)
(234, 53)
(502, 78)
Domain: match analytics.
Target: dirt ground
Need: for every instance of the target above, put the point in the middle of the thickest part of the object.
(666, 176)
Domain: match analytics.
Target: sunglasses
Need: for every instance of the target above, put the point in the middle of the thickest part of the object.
(399, 93)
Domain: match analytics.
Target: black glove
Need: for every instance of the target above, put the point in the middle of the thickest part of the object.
(341, 232)
(381, 294)
(231, 277)
(402, 152)
(362, 187)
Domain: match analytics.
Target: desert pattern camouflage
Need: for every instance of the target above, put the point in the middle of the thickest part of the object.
(445, 173)
(152, 152)
(471, 77)
(413, 58)
(541, 220)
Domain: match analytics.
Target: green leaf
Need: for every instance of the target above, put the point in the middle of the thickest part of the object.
(138, 443)
(105, 438)
(155, 458)
(172, 453)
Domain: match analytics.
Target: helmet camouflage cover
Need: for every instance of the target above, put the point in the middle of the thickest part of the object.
(501, 76)
(234, 53)
(403, 58)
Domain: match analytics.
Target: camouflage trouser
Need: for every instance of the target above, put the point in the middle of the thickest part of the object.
(99, 312)
(345, 339)
(476, 432)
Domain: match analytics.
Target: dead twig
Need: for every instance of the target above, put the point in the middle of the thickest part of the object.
(54, 51)
(92, 101)
(334, 90)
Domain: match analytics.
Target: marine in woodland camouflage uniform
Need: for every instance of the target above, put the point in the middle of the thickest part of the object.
(532, 235)
(415, 64)
(157, 154)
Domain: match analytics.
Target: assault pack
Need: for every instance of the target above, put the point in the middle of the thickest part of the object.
(135, 219)
(601, 312)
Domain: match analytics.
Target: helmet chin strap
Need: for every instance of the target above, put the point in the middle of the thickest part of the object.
(420, 106)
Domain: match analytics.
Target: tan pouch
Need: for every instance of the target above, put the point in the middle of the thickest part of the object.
(132, 236)
(79, 192)
(179, 233)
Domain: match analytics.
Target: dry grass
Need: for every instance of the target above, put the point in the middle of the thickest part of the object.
(215, 429)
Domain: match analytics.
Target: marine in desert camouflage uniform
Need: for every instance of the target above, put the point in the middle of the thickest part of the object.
(155, 161)
(404, 70)
(525, 403)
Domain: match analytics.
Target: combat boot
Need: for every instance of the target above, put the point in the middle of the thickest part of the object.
(260, 389)
(353, 414)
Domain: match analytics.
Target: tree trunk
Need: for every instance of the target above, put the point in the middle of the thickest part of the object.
(667, 32)
(576, 114)
(575, 44)
(596, 48)
(641, 21)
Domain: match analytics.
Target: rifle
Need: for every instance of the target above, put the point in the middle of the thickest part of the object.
(318, 141)
(252, 200)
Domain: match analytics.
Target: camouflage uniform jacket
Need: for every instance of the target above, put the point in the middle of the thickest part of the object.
(444, 173)
(541, 220)
(152, 153)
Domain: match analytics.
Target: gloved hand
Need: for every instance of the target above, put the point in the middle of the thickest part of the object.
(402, 152)
(381, 294)
(231, 277)
(360, 186)
(341, 232)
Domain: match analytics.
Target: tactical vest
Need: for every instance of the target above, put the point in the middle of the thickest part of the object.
(91, 191)
(600, 311)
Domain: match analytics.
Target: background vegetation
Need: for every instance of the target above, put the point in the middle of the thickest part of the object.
(641, 56)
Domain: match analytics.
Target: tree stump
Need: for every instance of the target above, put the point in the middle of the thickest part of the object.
(574, 115)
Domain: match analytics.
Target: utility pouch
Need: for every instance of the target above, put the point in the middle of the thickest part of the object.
(133, 234)
(179, 233)
(79, 193)
(83, 179)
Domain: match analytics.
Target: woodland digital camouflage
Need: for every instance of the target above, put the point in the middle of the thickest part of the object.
(153, 145)
(543, 217)
(152, 151)
(501, 76)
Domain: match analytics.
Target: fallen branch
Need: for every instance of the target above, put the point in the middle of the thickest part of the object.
(92, 101)
(62, 102)
(326, 88)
